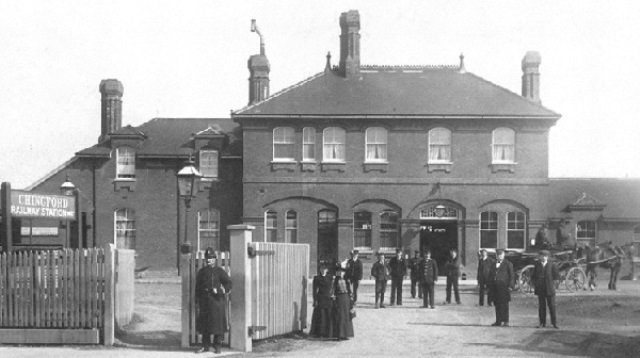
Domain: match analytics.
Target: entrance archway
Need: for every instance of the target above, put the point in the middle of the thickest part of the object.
(439, 233)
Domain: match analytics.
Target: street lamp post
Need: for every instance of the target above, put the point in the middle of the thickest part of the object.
(188, 178)
(67, 189)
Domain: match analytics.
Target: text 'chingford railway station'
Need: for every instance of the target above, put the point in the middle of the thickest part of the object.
(42, 206)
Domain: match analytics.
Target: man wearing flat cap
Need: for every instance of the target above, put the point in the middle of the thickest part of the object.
(545, 274)
(398, 267)
(353, 275)
(503, 280)
(212, 282)
(380, 272)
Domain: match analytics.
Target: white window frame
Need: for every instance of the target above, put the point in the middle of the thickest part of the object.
(215, 230)
(397, 230)
(591, 241)
(267, 228)
(284, 137)
(129, 216)
(331, 143)
(291, 231)
(309, 141)
(523, 230)
(369, 228)
(376, 136)
(125, 163)
(497, 144)
(433, 144)
(208, 167)
(497, 229)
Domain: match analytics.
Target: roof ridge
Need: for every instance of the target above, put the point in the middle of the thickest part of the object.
(511, 93)
(53, 172)
(279, 93)
(453, 67)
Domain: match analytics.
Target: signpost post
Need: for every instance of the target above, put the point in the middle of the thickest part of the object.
(5, 204)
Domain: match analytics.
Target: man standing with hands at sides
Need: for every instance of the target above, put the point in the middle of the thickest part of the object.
(380, 272)
(212, 282)
(502, 280)
(353, 275)
(428, 279)
(484, 267)
(544, 276)
(414, 265)
(398, 268)
(453, 272)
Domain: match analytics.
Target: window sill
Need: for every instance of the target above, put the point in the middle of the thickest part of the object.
(288, 166)
(445, 167)
(124, 183)
(503, 167)
(208, 183)
(333, 166)
(376, 166)
(308, 166)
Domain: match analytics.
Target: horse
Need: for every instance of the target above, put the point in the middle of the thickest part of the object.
(605, 255)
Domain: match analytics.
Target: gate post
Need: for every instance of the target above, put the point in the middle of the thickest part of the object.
(241, 308)
(109, 293)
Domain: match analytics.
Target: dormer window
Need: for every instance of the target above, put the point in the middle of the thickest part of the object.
(208, 163)
(125, 163)
(503, 145)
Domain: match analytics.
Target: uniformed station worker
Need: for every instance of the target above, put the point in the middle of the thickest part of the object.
(212, 282)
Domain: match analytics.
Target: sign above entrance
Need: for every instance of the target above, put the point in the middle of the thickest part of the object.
(439, 212)
(31, 205)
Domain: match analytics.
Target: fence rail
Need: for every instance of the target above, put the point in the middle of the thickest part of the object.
(52, 289)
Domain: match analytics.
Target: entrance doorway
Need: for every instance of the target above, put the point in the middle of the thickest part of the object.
(440, 237)
(327, 238)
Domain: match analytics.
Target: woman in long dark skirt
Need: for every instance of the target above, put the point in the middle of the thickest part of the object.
(322, 319)
(342, 317)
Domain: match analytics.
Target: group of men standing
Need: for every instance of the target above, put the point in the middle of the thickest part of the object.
(496, 280)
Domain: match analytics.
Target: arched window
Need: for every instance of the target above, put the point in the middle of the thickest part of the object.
(291, 227)
(362, 230)
(489, 230)
(270, 226)
(388, 230)
(309, 144)
(516, 224)
(439, 145)
(376, 144)
(504, 140)
(333, 142)
(283, 144)
(586, 232)
(125, 162)
(125, 229)
(208, 229)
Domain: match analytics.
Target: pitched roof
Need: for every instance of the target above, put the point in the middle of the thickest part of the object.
(172, 136)
(397, 91)
(618, 198)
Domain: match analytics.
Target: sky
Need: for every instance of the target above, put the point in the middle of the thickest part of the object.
(189, 59)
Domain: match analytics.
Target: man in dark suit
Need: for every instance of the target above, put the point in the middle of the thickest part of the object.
(453, 273)
(484, 267)
(414, 265)
(428, 278)
(502, 280)
(544, 276)
(353, 275)
(380, 272)
(398, 268)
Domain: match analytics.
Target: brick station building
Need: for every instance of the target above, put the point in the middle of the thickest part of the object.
(367, 157)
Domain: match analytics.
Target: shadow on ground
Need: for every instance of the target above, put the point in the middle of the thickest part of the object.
(575, 343)
(131, 337)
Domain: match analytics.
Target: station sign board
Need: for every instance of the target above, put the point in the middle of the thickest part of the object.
(26, 204)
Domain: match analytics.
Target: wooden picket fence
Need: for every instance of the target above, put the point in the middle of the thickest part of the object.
(65, 296)
(57, 288)
(190, 264)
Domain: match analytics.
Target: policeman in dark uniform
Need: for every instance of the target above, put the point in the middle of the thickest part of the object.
(398, 268)
(414, 265)
(212, 282)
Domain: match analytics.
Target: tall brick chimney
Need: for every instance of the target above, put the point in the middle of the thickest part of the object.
(531, 76)
(350, 44)
(111, 113)
(259, 69)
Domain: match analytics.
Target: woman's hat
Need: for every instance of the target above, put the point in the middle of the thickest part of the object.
(209, 253)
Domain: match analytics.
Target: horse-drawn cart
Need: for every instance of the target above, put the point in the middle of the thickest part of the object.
(572, 274)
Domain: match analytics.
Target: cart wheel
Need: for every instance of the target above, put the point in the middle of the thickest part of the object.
(524, 280)
(575, 279)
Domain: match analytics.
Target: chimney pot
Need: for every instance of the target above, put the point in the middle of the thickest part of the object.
(259, 69)
(350, 44)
